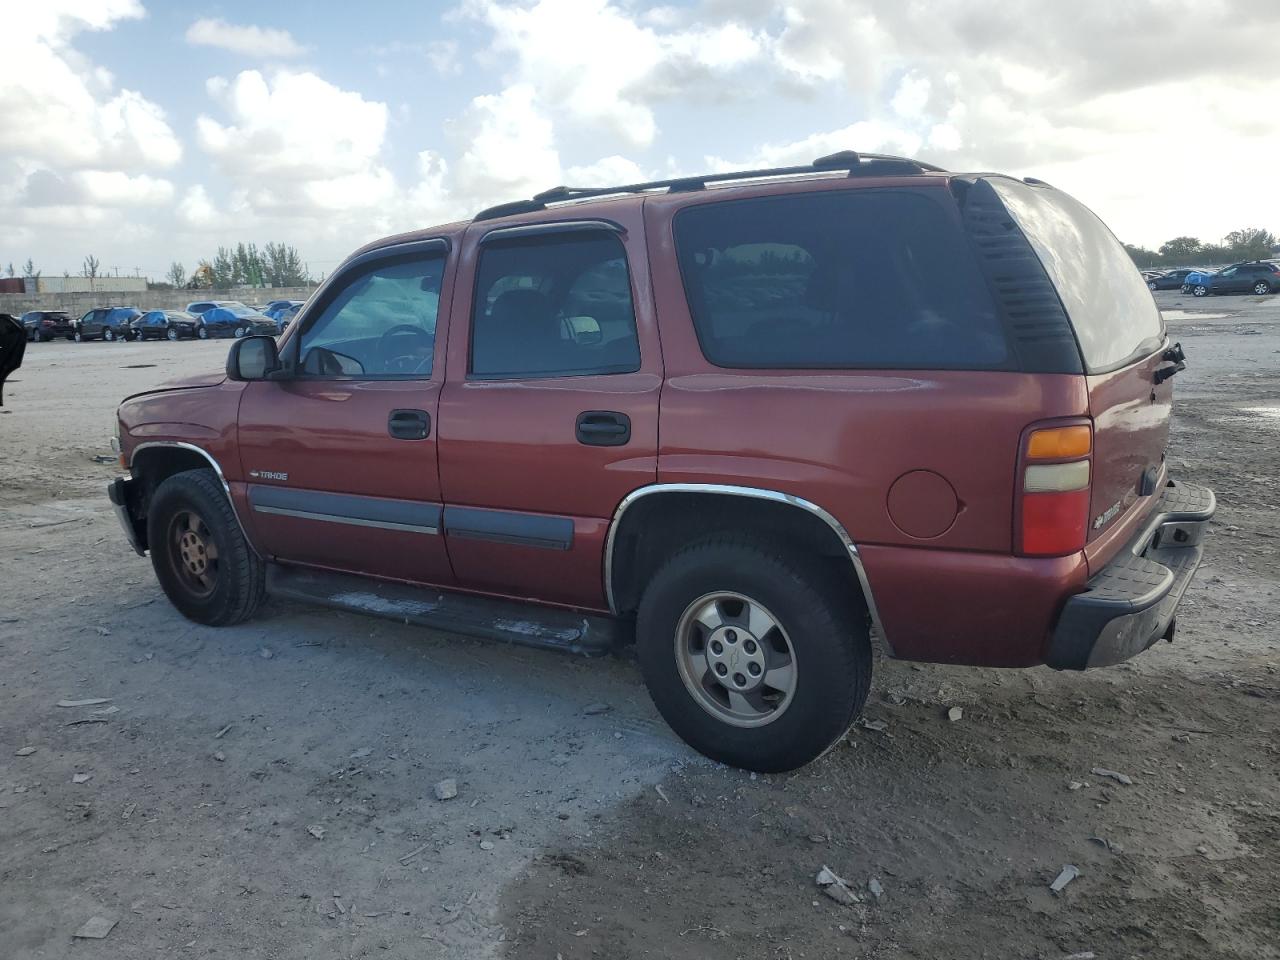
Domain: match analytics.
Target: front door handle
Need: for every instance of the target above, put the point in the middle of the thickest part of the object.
(409, 424)
(603, 428)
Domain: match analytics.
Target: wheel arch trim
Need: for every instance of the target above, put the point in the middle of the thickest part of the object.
(217, 469)
(756, 493)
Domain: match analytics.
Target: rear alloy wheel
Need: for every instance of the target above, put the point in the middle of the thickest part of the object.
(1199, 290)
(1261, 287)
(240, 332)
(202, 332)
(200, 555)
(756, 657)
(171, 333)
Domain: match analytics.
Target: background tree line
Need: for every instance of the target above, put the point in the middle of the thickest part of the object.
(1251, 243)
(244, 265)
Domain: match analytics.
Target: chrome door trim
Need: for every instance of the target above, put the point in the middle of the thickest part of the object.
(758, 493)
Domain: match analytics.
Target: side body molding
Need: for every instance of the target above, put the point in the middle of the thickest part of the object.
(759, 494)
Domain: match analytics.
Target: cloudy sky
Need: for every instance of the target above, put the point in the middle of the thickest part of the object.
(144, 132)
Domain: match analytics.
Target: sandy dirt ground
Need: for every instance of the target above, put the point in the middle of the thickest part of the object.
(268, 790)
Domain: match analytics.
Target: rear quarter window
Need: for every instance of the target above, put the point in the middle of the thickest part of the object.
(837, 280)
(1115, 319)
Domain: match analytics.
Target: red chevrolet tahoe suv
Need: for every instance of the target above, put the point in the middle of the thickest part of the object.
(756, 422)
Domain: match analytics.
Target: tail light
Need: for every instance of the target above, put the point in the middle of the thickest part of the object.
(1055, 473)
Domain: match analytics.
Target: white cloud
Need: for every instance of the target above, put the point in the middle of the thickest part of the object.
(196, 209)
(296, 141)
(59, 110)
(251, 41)
(595, 64)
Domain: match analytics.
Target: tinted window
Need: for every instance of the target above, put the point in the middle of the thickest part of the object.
(381, 323)
(554, 306)
(861, 279)
(1114, 317)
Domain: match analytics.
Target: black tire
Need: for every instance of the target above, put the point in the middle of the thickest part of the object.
(827, 630)
(108, 335)
(202, 332)
(238, 582)
(1200, 290)
(1262, 288)
(171, 333)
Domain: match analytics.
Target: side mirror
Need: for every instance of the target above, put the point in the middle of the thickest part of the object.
(253, 358)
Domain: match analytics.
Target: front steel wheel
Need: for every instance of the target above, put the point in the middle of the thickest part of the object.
(193, 552)
(200, 555)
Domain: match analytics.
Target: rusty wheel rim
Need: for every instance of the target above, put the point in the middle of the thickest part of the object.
(194, 553)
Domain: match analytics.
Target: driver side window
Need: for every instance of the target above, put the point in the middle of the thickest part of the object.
(381, 323)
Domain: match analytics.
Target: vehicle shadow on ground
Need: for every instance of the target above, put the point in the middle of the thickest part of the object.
(963, 825)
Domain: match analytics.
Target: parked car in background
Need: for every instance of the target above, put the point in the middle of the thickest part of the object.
(930, 408)
(233, 320)
(203, 306)
(1197, 282)
(286, 315)
(164, 325)
(43, 325)
(277, 307)
(1173, 280)
(105, 323)
(1258, 277)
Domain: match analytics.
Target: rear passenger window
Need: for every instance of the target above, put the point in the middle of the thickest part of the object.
(865, 279)
(553, 306)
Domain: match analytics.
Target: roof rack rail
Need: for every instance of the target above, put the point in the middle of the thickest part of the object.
(857, 165)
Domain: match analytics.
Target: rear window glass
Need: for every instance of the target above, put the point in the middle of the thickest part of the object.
(1110, 308)
(865, 279)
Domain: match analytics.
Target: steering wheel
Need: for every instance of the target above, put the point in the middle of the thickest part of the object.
(410, 362)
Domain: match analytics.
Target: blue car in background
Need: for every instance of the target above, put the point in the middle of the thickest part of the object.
(276, 310)
(285, 315)
(1198, 282)
(235, 320)
(164, 325)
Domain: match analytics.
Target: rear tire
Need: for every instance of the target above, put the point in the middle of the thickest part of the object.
(1261, 288)
(171, 333)
(202, 332)
(740, 582)
(78, 337)
(199, 553)
(1199, 290)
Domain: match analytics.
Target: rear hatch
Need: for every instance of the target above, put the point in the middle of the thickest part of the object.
(1122, 341)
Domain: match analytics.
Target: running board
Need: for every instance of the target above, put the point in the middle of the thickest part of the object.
(524, 624)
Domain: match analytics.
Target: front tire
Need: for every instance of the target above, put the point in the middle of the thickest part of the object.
(1200, 290)
(108, 335)
(171, 333)
(202, 332)
(199, 553)
(756, 657)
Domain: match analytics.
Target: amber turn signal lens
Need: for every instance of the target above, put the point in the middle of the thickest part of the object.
(1059, 443)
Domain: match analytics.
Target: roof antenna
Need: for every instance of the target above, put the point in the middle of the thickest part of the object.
(838, 161)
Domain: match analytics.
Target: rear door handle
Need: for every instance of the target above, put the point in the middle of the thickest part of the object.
(409, 424)
(603, 428)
